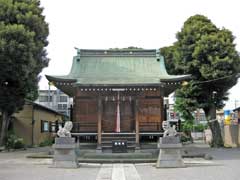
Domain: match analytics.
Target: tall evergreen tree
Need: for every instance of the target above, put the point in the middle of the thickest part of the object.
(23, 38)
(209, 54)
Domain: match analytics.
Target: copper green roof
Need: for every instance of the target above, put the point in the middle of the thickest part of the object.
(117, 67)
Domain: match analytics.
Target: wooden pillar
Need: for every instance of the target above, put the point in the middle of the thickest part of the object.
(162, 118)
(75, 105)
(71, 112)
(136, 115)
(99, 125)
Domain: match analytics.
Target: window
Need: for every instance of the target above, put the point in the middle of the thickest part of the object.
(44, 126)
(62, 106)
(45, 98)
(52, 126)
(63, 99)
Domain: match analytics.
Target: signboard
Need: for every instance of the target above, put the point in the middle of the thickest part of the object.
(227, 117)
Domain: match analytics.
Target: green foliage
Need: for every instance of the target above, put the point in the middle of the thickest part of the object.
(168, 53)
(190, 127)
(187, 126)
(130, 48)
(47, 142)
(185, 139)
(208, 53)
(199, 127)
(186, 101)
(13, 142)
(23, 38)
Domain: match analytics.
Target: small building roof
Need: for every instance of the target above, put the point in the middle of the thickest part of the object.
(39, 106)
(237, 109)
(126, 67)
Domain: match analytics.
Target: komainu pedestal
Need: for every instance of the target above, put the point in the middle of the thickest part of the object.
(170, 153)
(65, 153)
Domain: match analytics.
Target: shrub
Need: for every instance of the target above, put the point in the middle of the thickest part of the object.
(47, 142)
(199, 127)
(185, 139)
(187, 127)
(14, 142)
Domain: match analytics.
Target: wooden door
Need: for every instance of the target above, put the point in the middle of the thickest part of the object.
(127, 123)
(86, 115)
(109, 116)
(149, 115)
(127, 116)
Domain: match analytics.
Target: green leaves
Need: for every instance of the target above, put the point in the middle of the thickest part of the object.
(23, 37)
(186, 101)
(208, 53)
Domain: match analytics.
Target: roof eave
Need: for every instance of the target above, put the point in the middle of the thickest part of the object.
(60, 79)
(177, 78)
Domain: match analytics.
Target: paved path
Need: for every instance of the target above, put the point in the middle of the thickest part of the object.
(118, 172)
(224, 166)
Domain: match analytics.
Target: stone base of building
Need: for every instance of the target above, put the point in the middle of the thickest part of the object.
(65, 153)
(170, 153)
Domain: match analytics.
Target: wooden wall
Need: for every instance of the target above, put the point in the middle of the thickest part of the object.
(150, 111)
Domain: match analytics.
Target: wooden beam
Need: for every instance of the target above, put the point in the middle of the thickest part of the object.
(99, 132)
(136, 115)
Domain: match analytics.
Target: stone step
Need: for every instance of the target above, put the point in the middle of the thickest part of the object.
(132, 155)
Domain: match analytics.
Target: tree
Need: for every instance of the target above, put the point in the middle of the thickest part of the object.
(23, 37)
(209, 54)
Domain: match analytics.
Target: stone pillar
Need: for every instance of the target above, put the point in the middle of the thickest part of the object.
(227, 136)
(65, 153)
(170, 153)
(99, 125)
(136, 123)
(229, 139)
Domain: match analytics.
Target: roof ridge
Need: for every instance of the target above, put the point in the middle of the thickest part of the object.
(117, 52)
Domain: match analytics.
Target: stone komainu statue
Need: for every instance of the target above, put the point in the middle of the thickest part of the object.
(65, 131)
(168, 130)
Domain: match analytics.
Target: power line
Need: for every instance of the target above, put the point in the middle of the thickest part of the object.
(202, 82)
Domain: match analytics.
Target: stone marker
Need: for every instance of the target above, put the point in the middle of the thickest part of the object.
(170, 149)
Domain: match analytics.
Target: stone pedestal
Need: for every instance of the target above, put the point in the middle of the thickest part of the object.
(170, 153)
(65, 153)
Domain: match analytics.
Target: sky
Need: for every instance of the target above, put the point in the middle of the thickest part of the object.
(150, 24)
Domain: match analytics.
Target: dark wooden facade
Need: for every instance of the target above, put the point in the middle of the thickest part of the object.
(146, 105)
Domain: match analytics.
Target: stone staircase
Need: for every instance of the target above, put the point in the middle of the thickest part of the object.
(108, 138)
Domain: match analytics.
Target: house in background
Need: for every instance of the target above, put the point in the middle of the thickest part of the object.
(56, 100)
(36, 123)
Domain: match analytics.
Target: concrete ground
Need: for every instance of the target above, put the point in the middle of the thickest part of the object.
(224, 166)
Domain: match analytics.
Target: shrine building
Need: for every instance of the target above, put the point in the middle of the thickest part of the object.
(118, 93)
